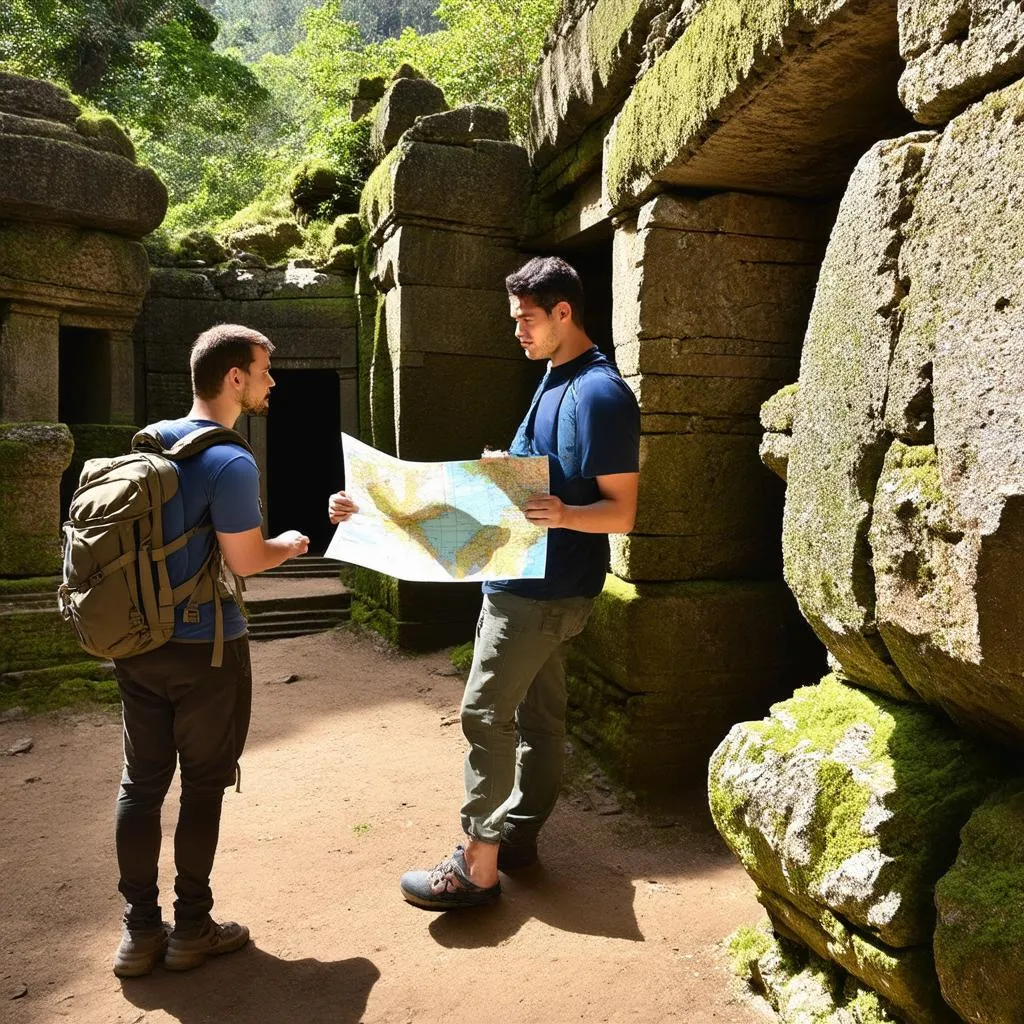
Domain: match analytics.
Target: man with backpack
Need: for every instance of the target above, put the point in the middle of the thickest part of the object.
(189, 699)
(586, 420)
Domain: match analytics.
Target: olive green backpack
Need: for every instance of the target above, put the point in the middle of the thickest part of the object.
(116, 591)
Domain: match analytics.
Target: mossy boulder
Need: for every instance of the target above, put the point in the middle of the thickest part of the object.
(800, 986)
(270, 241)
(319, 190)
(846, 802)
(368, 92)
(979, 939)
(405, 100)
(346, 230)
(200, 245)
(102, 128)
(840, 432)
(948, 519)
(60, 165)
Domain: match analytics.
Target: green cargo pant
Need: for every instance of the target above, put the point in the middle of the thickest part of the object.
(513, 713)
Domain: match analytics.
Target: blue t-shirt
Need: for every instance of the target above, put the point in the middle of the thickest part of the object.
(220, 485)
(607, 442)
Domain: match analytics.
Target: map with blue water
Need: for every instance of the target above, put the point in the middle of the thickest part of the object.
(442, 521)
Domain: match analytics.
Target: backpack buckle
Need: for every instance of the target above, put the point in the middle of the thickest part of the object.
(190, 615)
(96, 578)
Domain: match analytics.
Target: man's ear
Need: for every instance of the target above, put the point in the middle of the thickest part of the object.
(563, 311)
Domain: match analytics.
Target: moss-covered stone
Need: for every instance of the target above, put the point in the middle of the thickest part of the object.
(95, 125)
(777, 413)
(320, 190)
(70, 685)
(905, 978)
(32, 458)
(36, 638)
(846, 802)
(413, 616)
(979, 939)
(839, 432)
(271, 241)
(721, 71)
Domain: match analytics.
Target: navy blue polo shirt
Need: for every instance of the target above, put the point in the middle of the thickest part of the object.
(608, 441)
(224, 481)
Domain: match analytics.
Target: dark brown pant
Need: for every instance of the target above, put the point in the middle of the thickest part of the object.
(177, 708)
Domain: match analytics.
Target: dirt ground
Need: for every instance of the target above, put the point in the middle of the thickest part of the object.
(352, 774)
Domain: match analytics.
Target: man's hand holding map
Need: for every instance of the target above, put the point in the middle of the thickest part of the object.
(442, 521)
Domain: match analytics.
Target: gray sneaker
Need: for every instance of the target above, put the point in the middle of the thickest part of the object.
(188, 950)
(141, 950)
(447, 886)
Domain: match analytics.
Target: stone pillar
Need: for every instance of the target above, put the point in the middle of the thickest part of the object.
(29, 355)
(122, 376)
(32, 458)
(711, 299)
(445, 377)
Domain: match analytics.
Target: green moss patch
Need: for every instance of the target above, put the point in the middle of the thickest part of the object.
(674, 105)
(979, 940)
(72, 685)
(847, 801)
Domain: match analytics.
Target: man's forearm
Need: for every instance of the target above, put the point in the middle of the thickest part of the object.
(604, 516)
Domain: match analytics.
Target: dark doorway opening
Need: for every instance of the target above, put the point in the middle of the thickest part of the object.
(593, 262)
(83, 376)
(303, 453)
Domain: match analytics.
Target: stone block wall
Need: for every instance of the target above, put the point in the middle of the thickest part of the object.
(861, 806)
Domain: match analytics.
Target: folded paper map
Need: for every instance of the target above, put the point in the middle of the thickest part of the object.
(441, 521)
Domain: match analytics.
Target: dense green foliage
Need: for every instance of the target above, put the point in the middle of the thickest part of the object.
(225, 97)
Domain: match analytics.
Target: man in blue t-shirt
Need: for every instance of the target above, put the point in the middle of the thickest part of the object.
(177, 706)
(586, 420)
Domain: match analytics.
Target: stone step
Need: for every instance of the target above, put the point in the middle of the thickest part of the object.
(294, 625)
(310, 602)
(307, 566)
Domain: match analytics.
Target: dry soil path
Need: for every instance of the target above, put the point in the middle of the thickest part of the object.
(353, 774)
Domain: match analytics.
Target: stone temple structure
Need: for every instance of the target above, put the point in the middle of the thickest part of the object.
(799, 227)
(73, 206)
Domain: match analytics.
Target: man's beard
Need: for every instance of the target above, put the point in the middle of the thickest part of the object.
(250, 408)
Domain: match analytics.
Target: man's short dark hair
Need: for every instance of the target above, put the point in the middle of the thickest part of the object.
(219, 350)
(548, 280)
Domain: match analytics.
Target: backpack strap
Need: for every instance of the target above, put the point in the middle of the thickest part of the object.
(194, 442)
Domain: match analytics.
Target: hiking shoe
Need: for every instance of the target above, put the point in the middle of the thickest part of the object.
(141, 950)
(516, 856)
(187, 951)
(447, 886)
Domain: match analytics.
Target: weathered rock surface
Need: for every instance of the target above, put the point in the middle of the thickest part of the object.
(32, 458)
(780, 96)
(449, 186)
(979, 940)
(271, 241)
(777, 419)
(905, 978)
(461, 126)
(956, 52)
(406, 100)
(846, 802)
(948, 527)
(803, 988)
(57, 166)
(839, 429)
(590, 63)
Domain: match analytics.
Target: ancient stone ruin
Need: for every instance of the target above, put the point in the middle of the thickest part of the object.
(73, 206)
(799, 228)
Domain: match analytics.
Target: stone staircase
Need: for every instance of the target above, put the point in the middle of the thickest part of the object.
(302, 596)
